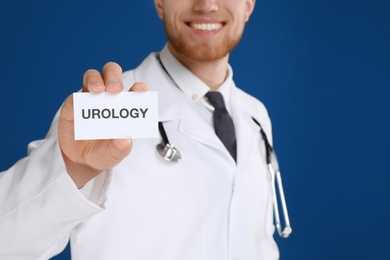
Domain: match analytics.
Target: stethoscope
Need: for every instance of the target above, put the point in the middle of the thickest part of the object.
(170, 153)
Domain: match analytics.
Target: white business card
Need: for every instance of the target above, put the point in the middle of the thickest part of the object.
(114, 116)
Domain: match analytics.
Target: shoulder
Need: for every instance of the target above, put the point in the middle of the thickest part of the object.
(255, 108)
(251, 104)
(138, 74)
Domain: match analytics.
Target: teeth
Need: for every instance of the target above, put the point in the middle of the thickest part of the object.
(206, 26)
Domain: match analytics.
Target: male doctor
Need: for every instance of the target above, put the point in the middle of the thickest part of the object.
(119, 199)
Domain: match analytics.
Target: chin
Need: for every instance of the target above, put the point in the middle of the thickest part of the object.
(204, 53)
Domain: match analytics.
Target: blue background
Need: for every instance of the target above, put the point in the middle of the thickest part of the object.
(321, 67)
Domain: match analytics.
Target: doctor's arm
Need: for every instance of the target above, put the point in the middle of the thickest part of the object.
(40, 201)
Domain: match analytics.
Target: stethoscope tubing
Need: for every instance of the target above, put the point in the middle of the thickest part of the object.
(276, 177)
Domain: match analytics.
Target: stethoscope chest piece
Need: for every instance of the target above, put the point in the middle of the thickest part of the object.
(168, 152)
(165, 149)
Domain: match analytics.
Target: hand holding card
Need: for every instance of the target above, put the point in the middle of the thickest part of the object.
(85, 159)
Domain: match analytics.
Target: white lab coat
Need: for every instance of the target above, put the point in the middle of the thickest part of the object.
(205, 207)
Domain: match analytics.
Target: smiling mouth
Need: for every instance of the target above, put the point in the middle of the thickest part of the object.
(207, 27)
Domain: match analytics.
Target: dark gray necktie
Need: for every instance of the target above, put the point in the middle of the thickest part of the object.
(223, 123)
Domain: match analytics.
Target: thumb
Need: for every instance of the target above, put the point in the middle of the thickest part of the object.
(119, 149)
(67, 109)
(139, 87)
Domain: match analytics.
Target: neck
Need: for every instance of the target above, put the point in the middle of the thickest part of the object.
(212, 73)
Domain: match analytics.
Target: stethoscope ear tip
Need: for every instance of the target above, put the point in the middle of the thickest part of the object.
(286, 232)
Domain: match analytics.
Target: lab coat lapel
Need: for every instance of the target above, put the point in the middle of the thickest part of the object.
(246, 129)
(174, 105)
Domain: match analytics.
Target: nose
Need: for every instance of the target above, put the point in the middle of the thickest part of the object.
(206, 6)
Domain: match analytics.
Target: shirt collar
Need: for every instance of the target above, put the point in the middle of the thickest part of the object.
(192, 86)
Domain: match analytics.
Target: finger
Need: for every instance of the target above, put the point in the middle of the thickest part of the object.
(139, 87)
(112, 75)
(93, 82)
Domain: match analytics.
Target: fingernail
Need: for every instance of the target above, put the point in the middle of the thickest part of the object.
(96, 86)
(113, 83)
(96, 83)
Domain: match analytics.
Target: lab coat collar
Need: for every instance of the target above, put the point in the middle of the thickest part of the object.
(174, 105)
(194, 88)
